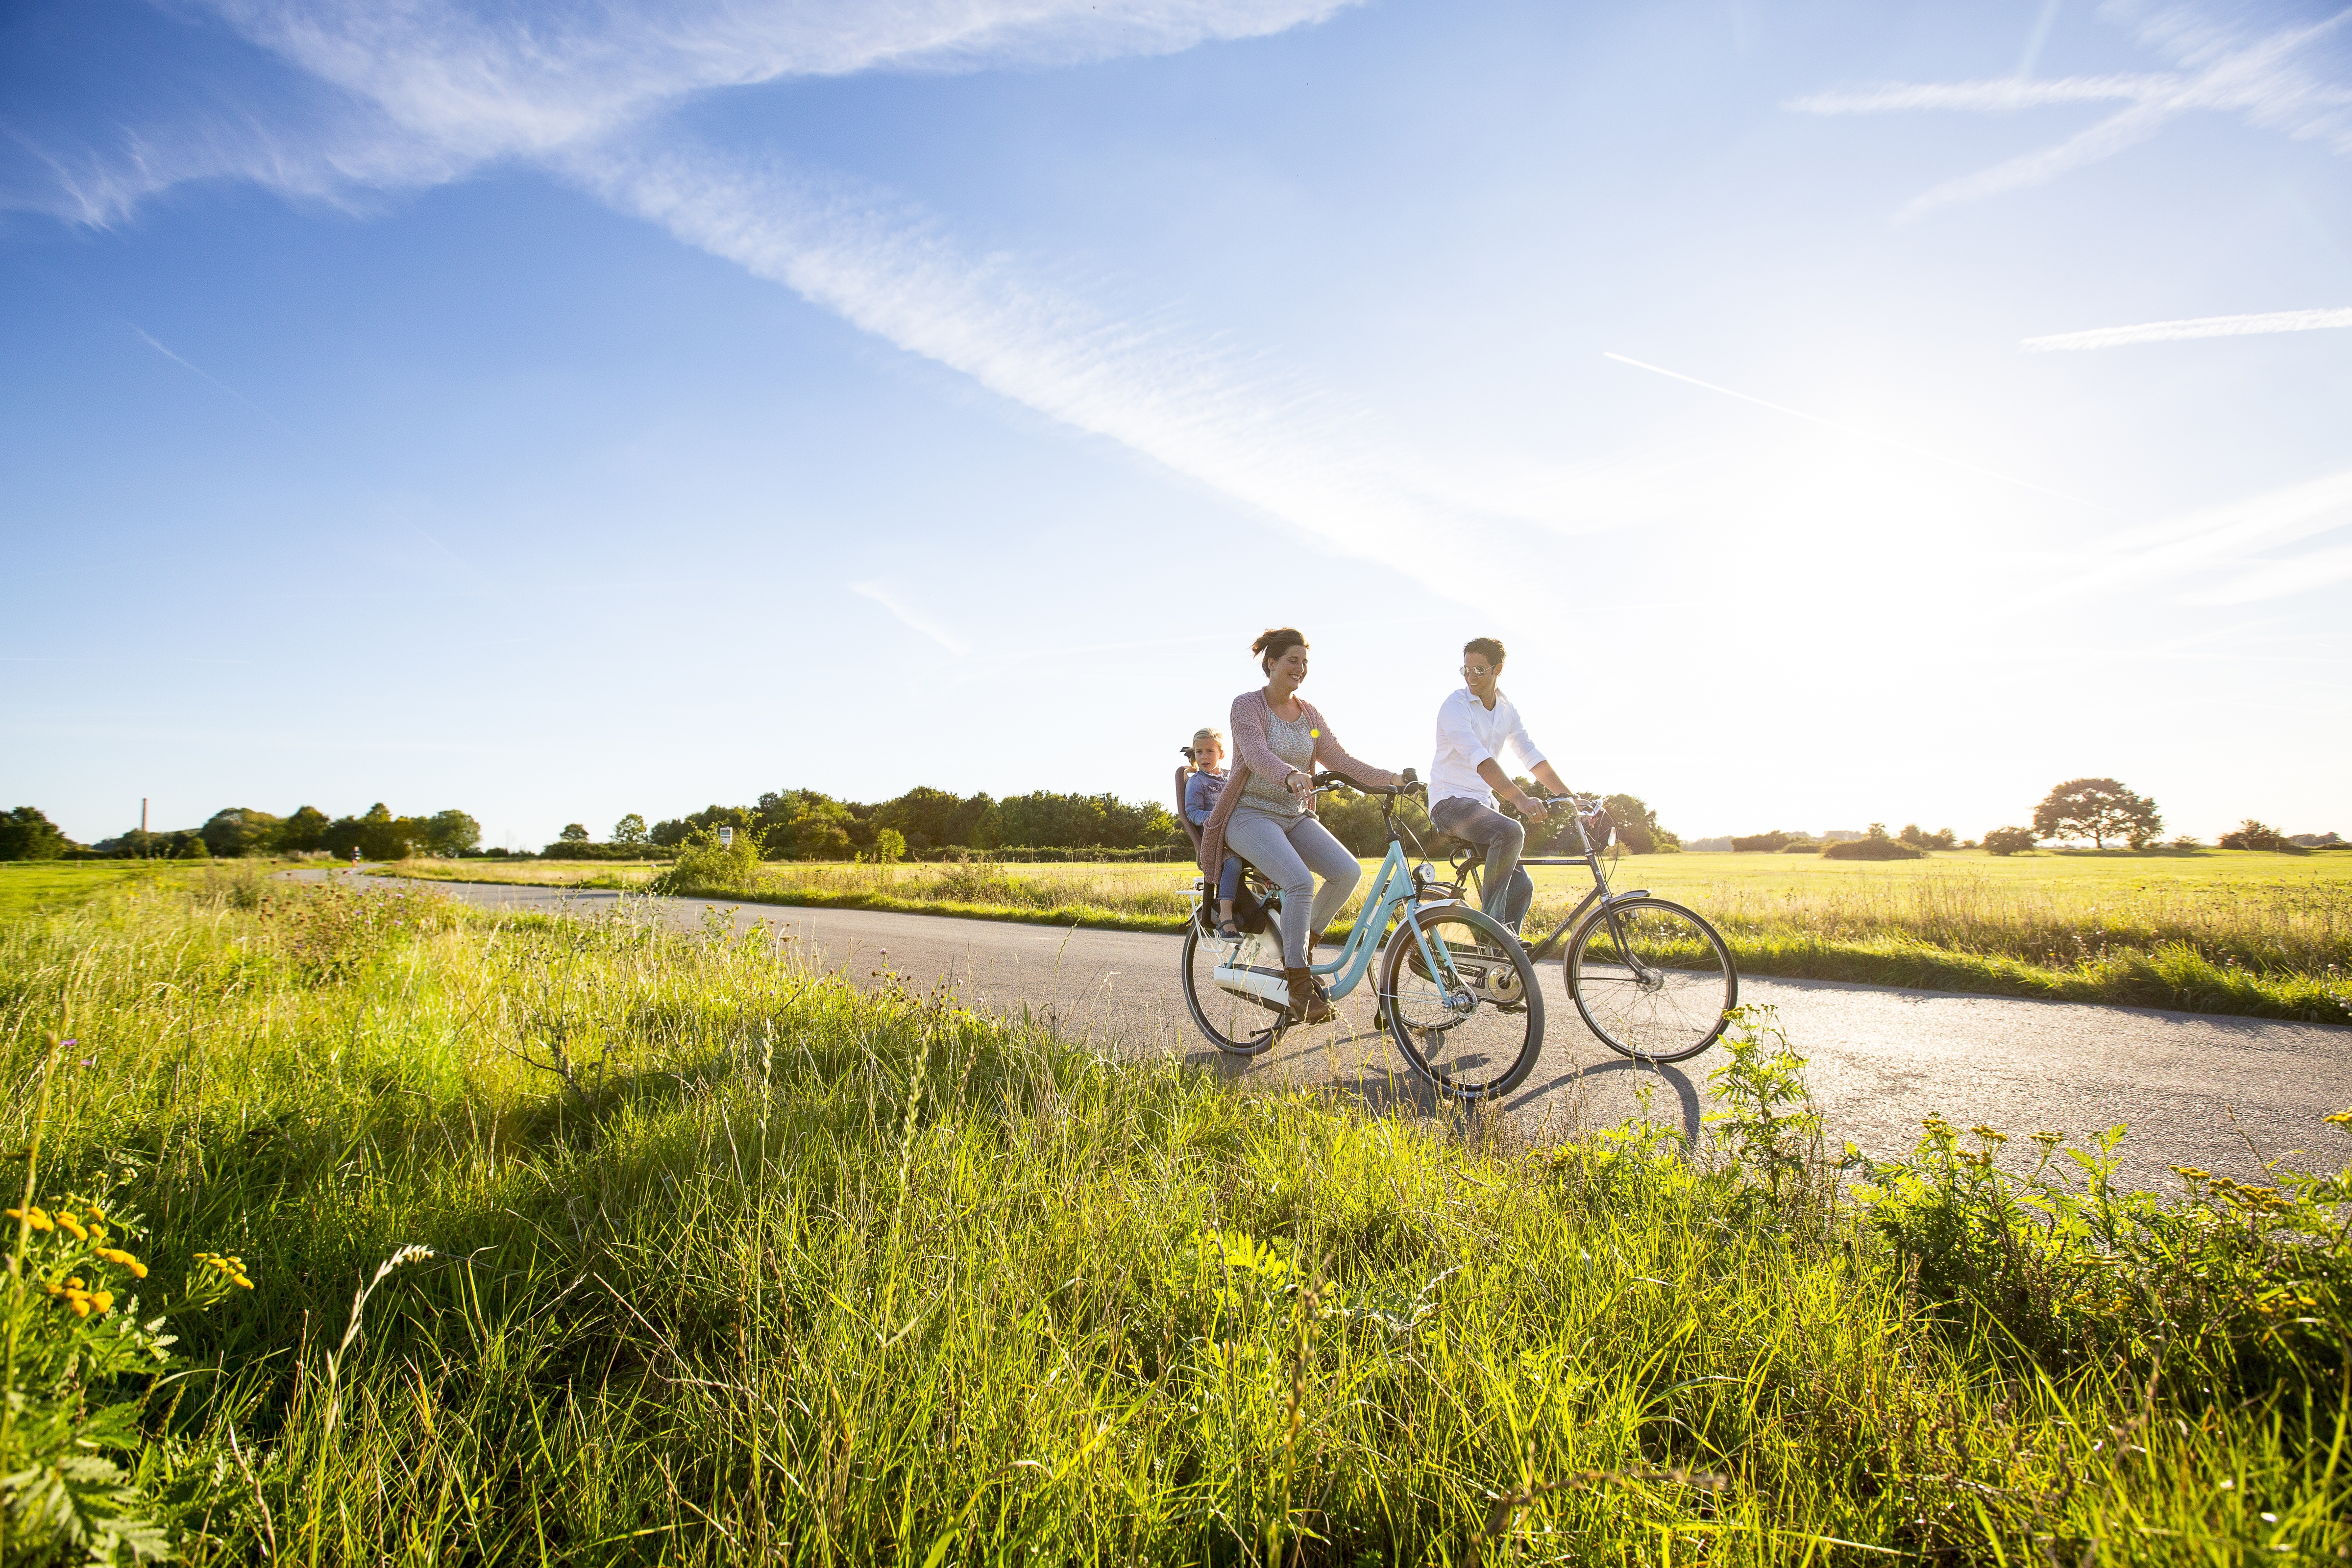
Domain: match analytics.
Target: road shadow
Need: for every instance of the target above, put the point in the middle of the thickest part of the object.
(1579, 1080)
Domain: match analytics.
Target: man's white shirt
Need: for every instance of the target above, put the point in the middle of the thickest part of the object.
(1470, 732)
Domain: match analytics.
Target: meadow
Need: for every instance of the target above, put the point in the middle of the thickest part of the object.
(2229, 932)
(514, 1239)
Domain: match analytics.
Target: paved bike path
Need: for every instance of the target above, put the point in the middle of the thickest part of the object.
(1880, 1058)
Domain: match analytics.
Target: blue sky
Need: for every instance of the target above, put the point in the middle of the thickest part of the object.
(478, 406)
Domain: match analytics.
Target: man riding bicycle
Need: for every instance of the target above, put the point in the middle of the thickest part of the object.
(1474, 725)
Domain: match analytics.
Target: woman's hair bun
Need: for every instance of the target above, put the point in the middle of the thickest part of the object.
(1275, 641)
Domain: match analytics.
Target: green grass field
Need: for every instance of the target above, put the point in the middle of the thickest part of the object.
(2220, 932)
(595, 1243)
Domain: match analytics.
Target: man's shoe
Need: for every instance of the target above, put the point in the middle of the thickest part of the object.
(1308, 1005)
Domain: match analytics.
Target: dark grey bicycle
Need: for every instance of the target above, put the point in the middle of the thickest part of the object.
(1650, 977)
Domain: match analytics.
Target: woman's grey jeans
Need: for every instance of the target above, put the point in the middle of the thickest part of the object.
(1291, 852)
(1508, 887)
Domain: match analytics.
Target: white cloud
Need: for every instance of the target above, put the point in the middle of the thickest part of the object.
(2198, 327)
(1180, 396)
(417, 92)
(2228, 552)
(2273, 81)
(431, 88)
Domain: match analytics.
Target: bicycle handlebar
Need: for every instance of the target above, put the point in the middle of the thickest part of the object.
(1408, 785)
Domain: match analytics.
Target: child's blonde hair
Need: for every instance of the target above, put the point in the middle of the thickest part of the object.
(1201, 737)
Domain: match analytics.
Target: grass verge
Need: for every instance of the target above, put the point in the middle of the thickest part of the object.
(2229, 938)
(593, 1242)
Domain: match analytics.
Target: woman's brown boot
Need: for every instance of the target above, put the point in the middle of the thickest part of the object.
(1307, 1003)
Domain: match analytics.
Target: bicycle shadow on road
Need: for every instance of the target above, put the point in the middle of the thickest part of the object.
(1579, 1082)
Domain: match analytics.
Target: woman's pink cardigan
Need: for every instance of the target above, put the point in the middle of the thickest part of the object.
(1252, 755)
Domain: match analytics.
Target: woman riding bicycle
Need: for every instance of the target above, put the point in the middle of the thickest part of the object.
(1266, 816)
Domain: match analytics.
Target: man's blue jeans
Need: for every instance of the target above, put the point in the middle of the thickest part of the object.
(1508, 887)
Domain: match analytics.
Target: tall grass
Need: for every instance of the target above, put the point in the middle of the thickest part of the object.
(720, 1259)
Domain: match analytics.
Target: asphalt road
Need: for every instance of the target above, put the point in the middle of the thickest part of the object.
(2196, 1090)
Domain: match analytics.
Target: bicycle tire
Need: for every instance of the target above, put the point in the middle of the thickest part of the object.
(1471, 1054)
(1667, 999)
(1213, 1006)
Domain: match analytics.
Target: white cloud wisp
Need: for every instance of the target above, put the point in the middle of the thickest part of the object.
(892, 599)
(2271, 79)
(2197, 327)
(415, 94)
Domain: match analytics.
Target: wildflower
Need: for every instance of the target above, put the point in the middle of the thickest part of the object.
(1981, 1131)
(2341, 1118)
(66, 1221)
(33, 1216)
(122, 1259)
(103, 1300)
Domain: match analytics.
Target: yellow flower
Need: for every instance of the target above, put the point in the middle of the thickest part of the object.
(66, 1220)
(242, 1282)
(115, 1255)
(102, 1299)
(79, 1301)
(32, 1217)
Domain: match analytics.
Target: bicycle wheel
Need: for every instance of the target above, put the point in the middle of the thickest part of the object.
(1237, 1026)
(1477, 1042)
(1651, 979)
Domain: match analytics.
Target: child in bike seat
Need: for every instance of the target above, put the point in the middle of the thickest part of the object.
(1200, 792)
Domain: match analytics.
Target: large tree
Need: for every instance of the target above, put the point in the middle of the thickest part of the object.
(240, 830)
(26, 835)
(2099, 810)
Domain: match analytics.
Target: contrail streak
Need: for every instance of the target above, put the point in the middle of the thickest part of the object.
(1863, 434)
(216, 380)
(2198, 327)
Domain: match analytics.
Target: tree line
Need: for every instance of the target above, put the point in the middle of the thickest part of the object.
(809, 825)
(27, 834)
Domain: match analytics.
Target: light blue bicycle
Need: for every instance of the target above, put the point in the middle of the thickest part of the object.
(1455, 989)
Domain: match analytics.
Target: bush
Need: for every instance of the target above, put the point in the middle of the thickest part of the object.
(2009, 840)
(1872, 849)
(564, 850)
(1770, 843)
(1801, 845)
(2253, 835)
(706, 866)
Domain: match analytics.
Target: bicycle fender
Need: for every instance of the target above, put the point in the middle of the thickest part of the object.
(1635, 893)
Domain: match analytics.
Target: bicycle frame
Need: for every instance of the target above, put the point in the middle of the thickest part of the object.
(1392, 885)
(1591, 862)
